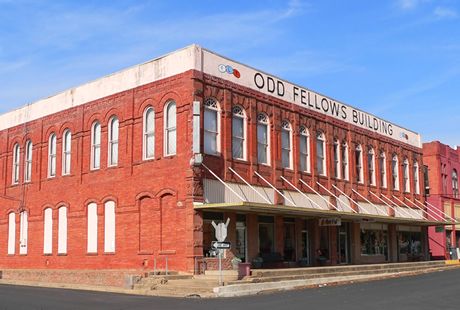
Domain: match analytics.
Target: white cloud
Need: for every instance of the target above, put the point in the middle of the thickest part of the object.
(443, 12)
(407, 4)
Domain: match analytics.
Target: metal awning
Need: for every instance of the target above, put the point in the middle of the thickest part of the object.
(251, 207)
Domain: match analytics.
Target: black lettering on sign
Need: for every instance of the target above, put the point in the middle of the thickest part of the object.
(259, 80)
(324, 104)
(270, 85)
(280, 88)
(344, 112)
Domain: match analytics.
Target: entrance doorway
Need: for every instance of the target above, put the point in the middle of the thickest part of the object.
(289, 240)
(343, 244)
(241, 237)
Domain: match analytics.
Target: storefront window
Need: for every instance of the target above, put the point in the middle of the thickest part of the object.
(374, 240)
(266, 235)
(410, 243)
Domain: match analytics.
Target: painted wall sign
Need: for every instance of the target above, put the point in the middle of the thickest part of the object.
(224, 68)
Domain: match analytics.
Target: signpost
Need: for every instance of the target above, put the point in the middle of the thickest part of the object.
(221, 235)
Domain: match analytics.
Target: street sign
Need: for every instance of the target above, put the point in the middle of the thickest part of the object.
(221, 245)
(221, 230)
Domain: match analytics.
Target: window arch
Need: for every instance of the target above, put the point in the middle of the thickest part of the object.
(359, 164)
(48, 231)
(371, 166)
(345, 169)
(455, 183)
(96, 145)
(170, 128)
(395, 172)
(113, 135)
(238, 133)
(109, 227)
(62, 230)
(66, 151)
(211, 126)
(304, 149)
(148, 139)
(286, 145)
(383, 169)
(28, 162)
(52, 155)
(406, 176)
(16, 159)
(320, 154)
(336, 157)
(263, 139)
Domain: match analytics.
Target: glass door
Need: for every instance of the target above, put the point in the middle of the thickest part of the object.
(241, 235)
(343, 256)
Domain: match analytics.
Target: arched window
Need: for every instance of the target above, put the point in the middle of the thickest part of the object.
(16, 154)
(416, 179)
(286, 145)
(48, 231)
(211, 127)
(113, 141)
(395, 172)
(263, 139)
(109, 227)
(62, 230)
(344, 153)
(148, 139)
(454, 183)
(92, 228)
(238, 133)
(336, 156)
(170, 129)
(371, 166)
(359, 164)
(304, 149)
(23, 232)
(383, 169)
(320, 154)
(406, 176)
(96, 145)
(52, 155)
(11, 233)
(28, 162)
(66, 151)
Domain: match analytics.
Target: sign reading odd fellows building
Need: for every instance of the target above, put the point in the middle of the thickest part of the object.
(270, 85)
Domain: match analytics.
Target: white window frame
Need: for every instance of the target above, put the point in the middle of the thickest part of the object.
(359, 164)
(11, 233)
(417, 180)
(383, 169)
(148, 112)
(113, 143)
(239, 113)
(321, 158)
(66, 152)
(95, 147)
(287, 129)
(16, 163)
(305, 156)
(62, 230)
(263, 121)
(109, 227)
(406, 176)
(395, 172)
(23, 232)
(169, 129)
(371, 166)
(28, 161)
(52, 154)
(48, 231)
(211, 105)
(92, 225)
(336, 157)
(345, 167)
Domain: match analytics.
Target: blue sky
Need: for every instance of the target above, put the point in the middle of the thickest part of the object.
(398, 59)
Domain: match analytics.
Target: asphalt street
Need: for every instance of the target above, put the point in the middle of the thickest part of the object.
(439, 290)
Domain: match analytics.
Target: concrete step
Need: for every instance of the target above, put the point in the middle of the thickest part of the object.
(337, 274)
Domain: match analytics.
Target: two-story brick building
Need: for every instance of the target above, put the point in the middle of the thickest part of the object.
(130, 170)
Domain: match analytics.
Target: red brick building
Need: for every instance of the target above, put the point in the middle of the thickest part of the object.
(130, 170)
(443, 165)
